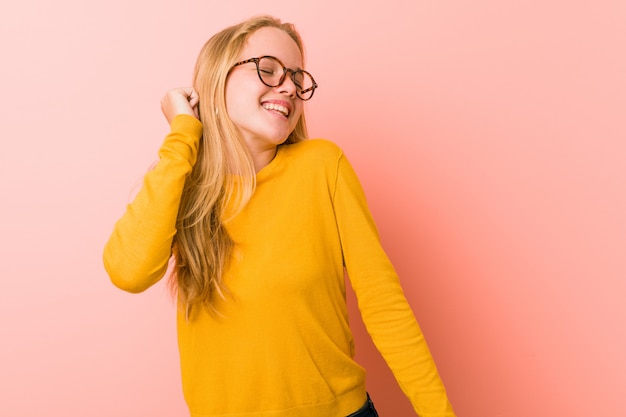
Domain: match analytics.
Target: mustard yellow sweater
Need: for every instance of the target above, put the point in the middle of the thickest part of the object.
(283, 347)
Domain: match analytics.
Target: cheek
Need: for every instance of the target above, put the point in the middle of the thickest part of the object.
(240, 92)
(232, 94)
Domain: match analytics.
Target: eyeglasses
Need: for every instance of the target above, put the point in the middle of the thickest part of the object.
(272, 73)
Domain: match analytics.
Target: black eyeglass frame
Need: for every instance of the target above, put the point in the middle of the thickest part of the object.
(282, 78)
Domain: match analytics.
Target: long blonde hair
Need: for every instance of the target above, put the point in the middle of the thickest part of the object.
(202, 246)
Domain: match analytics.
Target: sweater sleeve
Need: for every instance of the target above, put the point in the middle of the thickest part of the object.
(385, 311)
(138, 251)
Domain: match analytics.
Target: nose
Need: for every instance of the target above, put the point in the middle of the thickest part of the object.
(288, 86)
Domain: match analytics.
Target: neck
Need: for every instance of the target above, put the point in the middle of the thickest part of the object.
(263, 157)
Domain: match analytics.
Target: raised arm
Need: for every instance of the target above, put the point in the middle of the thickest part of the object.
(138, 251)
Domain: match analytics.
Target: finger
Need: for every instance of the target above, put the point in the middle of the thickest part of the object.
(193, 97)
(188, 92)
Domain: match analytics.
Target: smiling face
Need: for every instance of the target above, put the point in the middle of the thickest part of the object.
(264, 116)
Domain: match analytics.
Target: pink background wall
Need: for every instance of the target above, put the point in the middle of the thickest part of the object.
(490, 139)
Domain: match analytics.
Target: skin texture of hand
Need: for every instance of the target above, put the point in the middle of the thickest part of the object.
(180, 101)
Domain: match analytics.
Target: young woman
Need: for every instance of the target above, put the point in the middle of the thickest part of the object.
(261, 224)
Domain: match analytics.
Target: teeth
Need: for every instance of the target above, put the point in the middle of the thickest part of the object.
(276, 107)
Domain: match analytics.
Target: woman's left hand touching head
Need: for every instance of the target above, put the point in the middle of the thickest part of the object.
(180, 101)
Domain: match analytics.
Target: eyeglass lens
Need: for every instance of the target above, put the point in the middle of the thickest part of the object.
(271, 73)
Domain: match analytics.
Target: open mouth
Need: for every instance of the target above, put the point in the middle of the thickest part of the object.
(276, 108)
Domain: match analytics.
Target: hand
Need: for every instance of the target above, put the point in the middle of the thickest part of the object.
(180, 101)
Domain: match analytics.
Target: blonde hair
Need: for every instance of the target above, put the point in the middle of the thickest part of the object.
(223, 178)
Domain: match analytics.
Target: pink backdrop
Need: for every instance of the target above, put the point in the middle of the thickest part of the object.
(489, 137)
